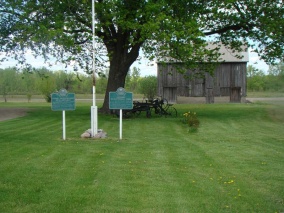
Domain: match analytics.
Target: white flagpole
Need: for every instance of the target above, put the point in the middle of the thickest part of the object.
(94, 109)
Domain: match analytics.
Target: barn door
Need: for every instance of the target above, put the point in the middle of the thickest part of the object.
(170, 93)
(235, 95)
(209, 96)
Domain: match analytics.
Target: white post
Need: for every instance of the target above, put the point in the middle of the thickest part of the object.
(63, 125)
(94, 123)
(120, 124)
(94, 53)
(94, 109)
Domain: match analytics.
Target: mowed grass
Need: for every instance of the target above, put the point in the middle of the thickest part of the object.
(234, 163)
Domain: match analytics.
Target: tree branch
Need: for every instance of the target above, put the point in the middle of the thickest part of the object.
(235, 27)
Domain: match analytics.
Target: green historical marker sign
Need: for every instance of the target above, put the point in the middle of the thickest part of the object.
(120, 99)
(62, 100)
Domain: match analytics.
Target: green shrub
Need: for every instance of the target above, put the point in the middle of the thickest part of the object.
(148, 86)
(190, 119)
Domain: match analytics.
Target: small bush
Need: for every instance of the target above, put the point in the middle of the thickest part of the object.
(148, 87)
(190, 119)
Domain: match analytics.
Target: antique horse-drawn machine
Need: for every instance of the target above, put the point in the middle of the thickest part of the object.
(157, 106)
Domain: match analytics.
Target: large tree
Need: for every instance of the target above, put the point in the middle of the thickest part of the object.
(173, 29)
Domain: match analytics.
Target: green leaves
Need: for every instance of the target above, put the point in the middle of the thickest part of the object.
(63, 28)
(148, 86)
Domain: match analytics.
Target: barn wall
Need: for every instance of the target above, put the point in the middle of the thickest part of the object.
(168, 82)
(222, 79)
(226, 76)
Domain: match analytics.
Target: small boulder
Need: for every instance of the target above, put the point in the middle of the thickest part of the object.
(89, 131)
(86, 135)
(100, 134)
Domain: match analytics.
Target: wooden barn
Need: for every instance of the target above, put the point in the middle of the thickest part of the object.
(228, 79)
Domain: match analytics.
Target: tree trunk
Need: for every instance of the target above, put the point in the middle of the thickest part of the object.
(119, 67)
(116, 79)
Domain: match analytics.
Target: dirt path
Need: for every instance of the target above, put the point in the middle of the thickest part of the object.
(9, 113)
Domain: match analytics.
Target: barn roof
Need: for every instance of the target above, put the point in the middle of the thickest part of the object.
(228, 55)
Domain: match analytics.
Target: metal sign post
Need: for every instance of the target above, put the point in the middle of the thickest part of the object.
(62, 101)
(63, 125)
(120, 124)
(120, 100)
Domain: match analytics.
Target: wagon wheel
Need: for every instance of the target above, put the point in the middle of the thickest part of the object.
(156, 110)
(172, 111)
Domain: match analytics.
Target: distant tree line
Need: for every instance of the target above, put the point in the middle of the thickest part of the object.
(44, 82)
(273, 81)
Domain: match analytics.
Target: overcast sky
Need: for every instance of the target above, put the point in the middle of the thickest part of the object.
(146, 67)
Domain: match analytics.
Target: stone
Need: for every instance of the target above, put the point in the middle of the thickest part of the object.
(100, 134)
(86, 135)
(89, 131)
(103, 135)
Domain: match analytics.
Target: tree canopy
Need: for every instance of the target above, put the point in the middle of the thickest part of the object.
(174, 29)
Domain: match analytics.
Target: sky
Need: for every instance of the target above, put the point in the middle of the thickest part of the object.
(146, 67)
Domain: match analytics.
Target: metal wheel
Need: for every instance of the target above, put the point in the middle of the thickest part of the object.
(172, 111)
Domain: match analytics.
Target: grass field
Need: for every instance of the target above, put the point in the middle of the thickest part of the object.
(233, 163)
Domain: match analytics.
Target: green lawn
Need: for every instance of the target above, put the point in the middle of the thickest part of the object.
(234, 163)
(265, 94)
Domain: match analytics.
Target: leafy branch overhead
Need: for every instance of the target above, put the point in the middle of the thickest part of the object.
(158, 25)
